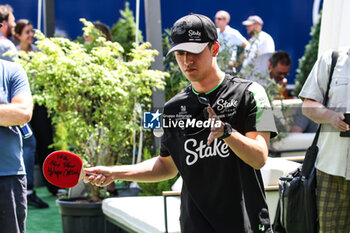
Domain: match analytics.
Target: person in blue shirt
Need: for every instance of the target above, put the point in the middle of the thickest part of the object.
(16, 106)
(7, 19)
(229, 38)
(8, 52)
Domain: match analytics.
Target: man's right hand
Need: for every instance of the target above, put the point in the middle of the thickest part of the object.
(322, 115)
(102, 175)
(337, 121)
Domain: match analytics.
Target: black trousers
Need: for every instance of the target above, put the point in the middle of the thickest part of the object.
(13, 203)
(43, 131)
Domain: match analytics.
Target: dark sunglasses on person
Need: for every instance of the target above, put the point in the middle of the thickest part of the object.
(202, 99)
(219, 18)
(283, 74)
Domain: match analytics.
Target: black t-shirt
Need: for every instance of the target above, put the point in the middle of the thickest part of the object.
(220, 192)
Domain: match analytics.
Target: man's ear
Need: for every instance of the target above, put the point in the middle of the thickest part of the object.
(216, 48)
(269, 65)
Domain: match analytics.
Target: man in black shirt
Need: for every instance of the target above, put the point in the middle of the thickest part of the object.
(216, 135)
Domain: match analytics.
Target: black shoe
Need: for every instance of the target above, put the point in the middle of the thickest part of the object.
(34, 201)
(52, 189)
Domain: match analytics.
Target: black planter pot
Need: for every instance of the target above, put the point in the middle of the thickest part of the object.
(81, 217)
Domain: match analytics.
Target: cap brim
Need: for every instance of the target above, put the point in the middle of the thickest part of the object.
(191, 47)
(247, 23)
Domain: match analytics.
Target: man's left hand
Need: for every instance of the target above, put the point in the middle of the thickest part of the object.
(217, 129)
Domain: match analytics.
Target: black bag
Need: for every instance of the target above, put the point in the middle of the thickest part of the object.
(296, 210)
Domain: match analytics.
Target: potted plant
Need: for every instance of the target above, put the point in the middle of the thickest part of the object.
(91, 91)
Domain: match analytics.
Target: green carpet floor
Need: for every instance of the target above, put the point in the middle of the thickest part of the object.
(44, 220)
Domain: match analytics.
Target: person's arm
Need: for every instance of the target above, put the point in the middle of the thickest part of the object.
(302, 123)
(296, 129)
(244, 44)
(252, 148)
(18, 112)
(241, 56)
(322, 115)
(152, 170)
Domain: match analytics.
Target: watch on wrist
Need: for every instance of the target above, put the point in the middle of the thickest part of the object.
(227, 131)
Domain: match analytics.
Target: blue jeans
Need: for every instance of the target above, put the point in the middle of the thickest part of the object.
(29, 148)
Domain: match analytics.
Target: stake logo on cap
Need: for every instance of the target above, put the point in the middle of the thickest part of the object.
(192, 33)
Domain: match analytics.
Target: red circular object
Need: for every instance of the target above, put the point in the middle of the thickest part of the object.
(62, 169)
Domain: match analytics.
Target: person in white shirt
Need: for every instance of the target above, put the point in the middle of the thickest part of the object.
(229, 37)
(333, 159)
(260, 41)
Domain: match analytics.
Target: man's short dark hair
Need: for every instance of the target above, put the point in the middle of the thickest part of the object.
(5, 11)
(104, 29)
(280, 57)
(211, 43)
